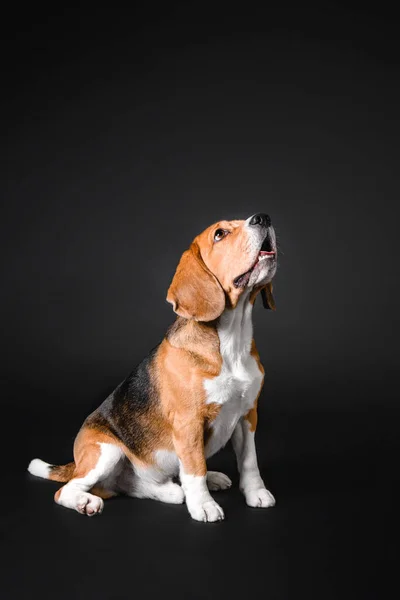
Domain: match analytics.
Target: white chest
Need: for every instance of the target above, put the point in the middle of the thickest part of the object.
(238, 384)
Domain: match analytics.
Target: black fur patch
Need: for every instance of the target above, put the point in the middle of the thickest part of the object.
(125, 413)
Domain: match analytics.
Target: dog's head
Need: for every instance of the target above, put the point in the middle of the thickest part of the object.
(223, 262)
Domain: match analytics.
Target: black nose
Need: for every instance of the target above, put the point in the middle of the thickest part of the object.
(260, 219)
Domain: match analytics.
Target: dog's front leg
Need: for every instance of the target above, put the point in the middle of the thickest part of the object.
(251, 483)
(188, 436)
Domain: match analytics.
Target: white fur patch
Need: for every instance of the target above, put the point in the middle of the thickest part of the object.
(39, 468)
(251, 483)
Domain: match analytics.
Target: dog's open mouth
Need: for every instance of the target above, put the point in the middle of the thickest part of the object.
(266, 251)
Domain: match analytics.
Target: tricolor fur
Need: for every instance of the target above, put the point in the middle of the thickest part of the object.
(196, 390)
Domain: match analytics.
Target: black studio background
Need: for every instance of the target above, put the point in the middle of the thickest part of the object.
(124, 135)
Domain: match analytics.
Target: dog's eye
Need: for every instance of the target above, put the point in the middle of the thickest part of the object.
(219, 235)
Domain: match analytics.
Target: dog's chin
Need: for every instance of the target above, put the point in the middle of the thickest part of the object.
(262, 273)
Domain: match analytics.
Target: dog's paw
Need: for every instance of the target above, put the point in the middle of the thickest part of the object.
(172, 493)
(260, 498)
(88, 504)
(217, 481)
(208, 511)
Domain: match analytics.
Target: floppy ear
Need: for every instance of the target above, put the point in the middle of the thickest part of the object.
(195, 292)
(267, 297)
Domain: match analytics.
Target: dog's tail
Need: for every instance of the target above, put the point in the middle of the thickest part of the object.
(61, 473)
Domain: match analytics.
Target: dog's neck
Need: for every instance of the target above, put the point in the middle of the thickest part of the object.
(230, 335)
(235, 329)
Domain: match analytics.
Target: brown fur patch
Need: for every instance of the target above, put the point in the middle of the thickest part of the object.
(211, 411)
(62, 473)
(199, 341)
(87, 449)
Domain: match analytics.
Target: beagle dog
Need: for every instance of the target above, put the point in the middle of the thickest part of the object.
(195, 391)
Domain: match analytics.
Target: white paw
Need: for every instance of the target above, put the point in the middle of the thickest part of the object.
(207, 511)
(88, 504)
(173, 494)
(218, 481)
(260, 498)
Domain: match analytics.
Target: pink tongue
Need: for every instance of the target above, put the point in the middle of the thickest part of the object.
(263, 253)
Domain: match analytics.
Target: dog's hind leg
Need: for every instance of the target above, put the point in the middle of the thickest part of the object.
(97, 459)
